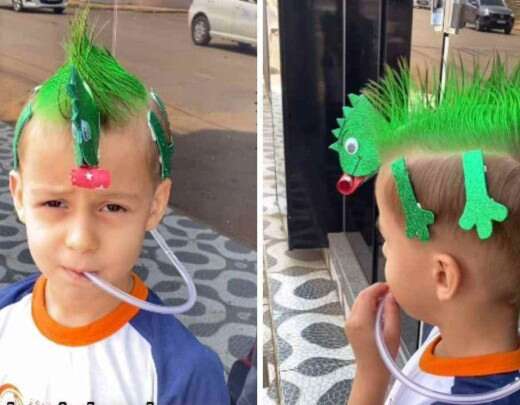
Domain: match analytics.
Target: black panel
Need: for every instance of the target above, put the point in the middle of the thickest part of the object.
(363, 43)
(398, 31)
(311, 46)
(318, 69)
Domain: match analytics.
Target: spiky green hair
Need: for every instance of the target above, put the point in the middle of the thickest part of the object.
(92, 89)
(473, 114)
(117, 94)
(480, 110)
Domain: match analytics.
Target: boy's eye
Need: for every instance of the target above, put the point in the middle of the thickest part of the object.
(115, 208)
(53, 204)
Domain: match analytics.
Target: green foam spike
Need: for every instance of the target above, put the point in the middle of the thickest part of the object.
(354, 100)
(417, 218)
(480, 210)
(336, 132)
(340, 122)
(347, 111)
(335, 146)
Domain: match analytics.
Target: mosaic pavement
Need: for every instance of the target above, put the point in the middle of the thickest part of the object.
(302, 314)
(224, 271)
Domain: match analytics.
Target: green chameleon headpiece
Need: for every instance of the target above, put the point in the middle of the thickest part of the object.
(92, 89)
(477, 113)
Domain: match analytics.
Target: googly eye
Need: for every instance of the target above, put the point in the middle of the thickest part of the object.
(351, 146)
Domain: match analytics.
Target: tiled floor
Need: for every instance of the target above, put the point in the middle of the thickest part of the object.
(314, 362)
(224, 271)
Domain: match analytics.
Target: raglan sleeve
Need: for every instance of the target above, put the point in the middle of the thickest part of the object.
(206, 383)
(485, 384)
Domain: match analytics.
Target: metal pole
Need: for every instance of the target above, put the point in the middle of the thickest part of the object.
(444, 62)
(343, 198)
(114, 27)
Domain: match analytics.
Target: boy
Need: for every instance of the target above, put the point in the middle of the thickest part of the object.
(450, 217)
(87, 196)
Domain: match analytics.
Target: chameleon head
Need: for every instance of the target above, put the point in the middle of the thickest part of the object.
(359, 160)
(356, 144)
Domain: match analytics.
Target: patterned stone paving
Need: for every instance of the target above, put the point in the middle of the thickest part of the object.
(224, 271)
(314, 362)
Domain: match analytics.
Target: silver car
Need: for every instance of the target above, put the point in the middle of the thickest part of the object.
(58, 6)
(422, 3)
(230, 19)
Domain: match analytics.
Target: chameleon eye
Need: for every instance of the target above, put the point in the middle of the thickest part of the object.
(351, 145)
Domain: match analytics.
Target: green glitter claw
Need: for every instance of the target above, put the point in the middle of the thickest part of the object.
(162, 107)
(480, 210)
(166, 148)
(417, 218)
(86, 124)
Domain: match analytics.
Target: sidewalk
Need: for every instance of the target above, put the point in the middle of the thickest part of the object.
(309, 359)
(224, 271)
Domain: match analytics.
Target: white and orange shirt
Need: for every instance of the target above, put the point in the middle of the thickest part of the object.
(128, 357)
(467, 375)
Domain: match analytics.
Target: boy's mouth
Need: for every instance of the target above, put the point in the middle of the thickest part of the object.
(78, 272)
(346, 184)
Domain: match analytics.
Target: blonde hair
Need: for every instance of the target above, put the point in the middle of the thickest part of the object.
(438, 182)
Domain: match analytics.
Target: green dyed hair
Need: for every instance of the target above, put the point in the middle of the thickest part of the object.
(117, 94)
(475, 110)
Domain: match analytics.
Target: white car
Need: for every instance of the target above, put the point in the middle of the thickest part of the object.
(58, 6)
(230, 19)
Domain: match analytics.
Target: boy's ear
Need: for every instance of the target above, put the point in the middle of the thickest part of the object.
(447, 276)
(15, 187)
(159, 204)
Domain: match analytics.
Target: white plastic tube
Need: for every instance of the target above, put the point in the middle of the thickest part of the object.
(481, 398)
(148, 306)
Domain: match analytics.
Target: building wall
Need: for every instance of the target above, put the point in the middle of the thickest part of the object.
(273, 35)
(515, 6)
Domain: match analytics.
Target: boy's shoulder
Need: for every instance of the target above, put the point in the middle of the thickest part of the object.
(175, 348)
(16, 291)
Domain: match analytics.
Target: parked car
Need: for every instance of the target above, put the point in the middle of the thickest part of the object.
(58, 6)
(489, 14)
(422, 3)
(230, 19)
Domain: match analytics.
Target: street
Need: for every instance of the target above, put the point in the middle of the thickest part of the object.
(469, 43)
(210, 93)
(182, 4)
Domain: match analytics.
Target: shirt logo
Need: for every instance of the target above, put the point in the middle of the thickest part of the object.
(9, 394)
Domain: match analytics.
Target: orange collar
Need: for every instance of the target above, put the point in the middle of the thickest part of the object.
(489, 364)
(88, 334)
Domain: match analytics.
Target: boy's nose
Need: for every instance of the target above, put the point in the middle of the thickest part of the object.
(81, 235)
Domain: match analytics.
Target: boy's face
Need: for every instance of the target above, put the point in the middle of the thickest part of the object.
(72, 230)
(407, 262)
